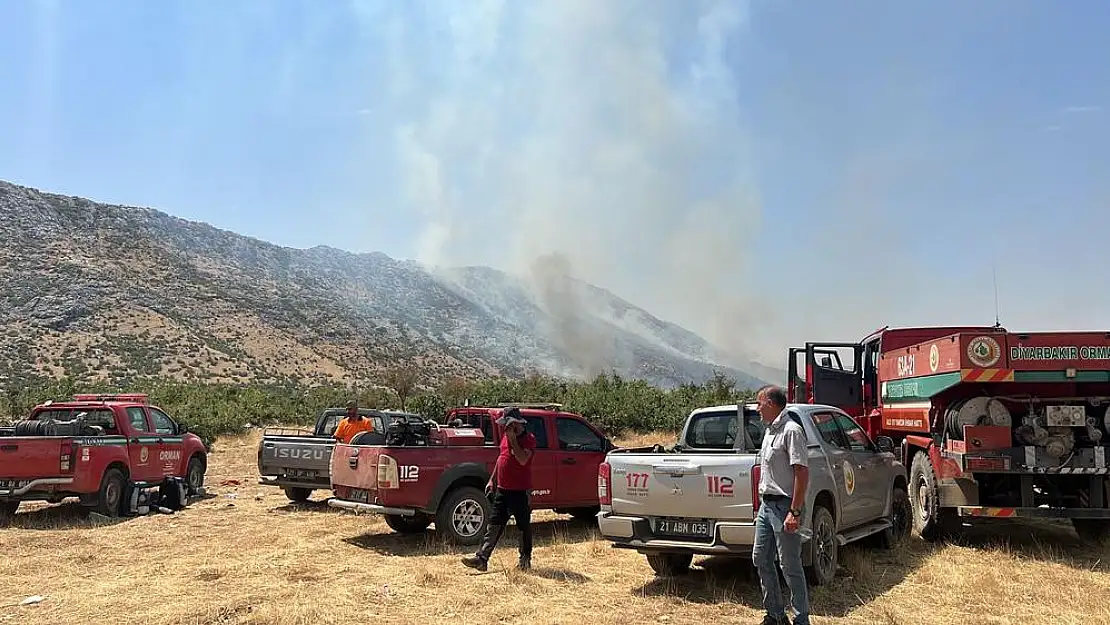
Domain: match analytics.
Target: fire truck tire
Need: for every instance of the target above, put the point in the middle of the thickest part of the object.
(670, 564)
(1095, 532)
(408, 524)
(930, 521)
(110, 498)
(825, 557)
(298, 494)
(463, 515)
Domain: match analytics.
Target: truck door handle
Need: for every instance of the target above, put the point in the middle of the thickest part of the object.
(569, 461)
(9, 447)
(135, 440)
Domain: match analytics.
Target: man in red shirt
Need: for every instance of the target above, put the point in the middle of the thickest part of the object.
(510, 487)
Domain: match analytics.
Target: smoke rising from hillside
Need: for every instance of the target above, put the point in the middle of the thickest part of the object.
(551, 278)
(605, 133)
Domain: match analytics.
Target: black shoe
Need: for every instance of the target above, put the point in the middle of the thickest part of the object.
(525, 564)
(474, 562)
(770, 620)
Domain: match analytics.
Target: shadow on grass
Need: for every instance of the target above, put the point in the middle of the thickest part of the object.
(312, 505)
(864, 574)
(867, 572)
(69, 515)
(429, 542)
(64, 515)
(558, 574)
(1040, 540)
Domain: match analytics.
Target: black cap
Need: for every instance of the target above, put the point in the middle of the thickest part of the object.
(509, 415)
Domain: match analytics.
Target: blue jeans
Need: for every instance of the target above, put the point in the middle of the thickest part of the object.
(771, 540)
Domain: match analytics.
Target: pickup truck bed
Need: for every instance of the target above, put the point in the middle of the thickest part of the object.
(701, 498)
(299, 461)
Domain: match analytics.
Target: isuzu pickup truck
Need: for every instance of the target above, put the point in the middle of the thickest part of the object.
(299, 461)
(427, 472)
(102, 449)
(701, 496)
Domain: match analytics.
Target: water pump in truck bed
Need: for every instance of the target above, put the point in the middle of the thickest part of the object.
(78, 426)
(1057, 429)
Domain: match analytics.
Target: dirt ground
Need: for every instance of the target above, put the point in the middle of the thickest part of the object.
(245, 555)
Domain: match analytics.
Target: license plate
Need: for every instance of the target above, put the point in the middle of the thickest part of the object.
(303, 473)
(678, 527)
(360, 496)
(13, 484)
(1065, 416)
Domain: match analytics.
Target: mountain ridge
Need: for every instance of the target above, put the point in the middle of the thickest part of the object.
(108, 291)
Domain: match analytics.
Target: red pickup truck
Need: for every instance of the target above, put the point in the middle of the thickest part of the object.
(99, 448)
(428, 472)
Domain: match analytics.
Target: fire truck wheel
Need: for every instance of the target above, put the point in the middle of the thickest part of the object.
(463, 515)
(1095, 532)
(109, 501)
(823, 546)
(408, 524)
(930, 521)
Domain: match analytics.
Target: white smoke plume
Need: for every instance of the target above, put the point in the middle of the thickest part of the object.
(600, 140)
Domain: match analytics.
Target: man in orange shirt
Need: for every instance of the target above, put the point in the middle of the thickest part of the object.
(352, 424)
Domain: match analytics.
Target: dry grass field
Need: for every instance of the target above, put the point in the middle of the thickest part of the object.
(247, 556)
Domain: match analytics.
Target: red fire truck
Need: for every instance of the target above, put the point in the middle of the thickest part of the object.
(991, 423)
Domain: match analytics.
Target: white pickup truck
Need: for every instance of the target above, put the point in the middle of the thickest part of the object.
(700, 496)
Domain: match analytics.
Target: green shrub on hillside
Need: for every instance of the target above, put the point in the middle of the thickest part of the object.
(615, 404)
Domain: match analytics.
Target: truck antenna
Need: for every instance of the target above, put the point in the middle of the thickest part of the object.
(997, 314)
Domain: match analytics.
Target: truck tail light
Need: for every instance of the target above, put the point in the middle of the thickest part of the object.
(387, 472)
(604, 479)
(65, 462)
(755, 489)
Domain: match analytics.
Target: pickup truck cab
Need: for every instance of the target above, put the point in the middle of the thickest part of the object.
(99, 448)
(428, 472)
(701, 497)
(299, 461)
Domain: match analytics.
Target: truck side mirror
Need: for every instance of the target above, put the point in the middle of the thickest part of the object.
(182, 428)
(885, 444)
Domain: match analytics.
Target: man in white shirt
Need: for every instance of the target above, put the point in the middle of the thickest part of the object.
(783, 478)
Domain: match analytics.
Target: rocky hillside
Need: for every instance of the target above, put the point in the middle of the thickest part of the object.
(99, 291)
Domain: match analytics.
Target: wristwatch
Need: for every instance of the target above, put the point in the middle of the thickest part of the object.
(797, 513)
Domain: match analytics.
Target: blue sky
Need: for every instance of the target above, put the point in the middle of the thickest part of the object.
(762, 172)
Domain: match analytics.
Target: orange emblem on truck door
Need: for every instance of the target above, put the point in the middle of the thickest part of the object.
(849, 478)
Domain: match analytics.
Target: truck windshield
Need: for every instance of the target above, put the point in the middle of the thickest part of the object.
(721, 430)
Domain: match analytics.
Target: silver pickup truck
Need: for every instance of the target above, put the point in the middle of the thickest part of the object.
(700, 496)
(299, 461)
